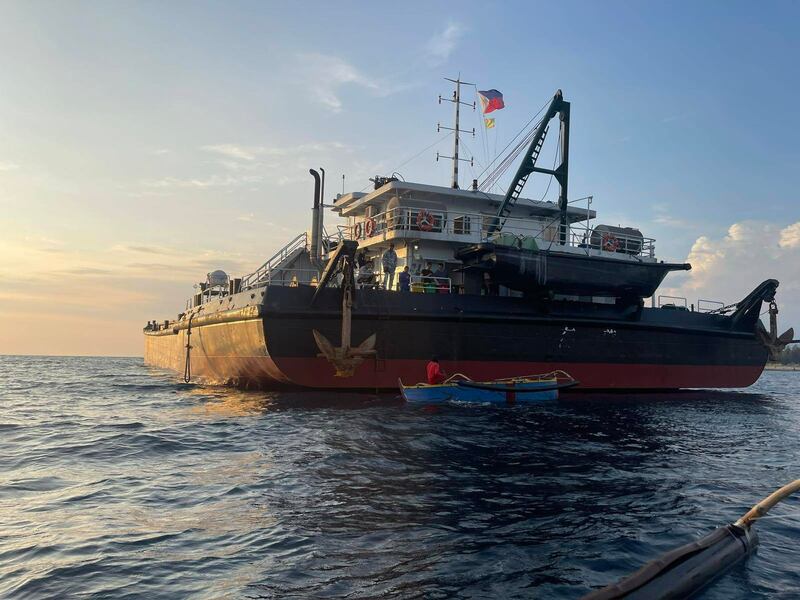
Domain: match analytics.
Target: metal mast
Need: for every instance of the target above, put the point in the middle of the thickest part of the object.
(456, 99)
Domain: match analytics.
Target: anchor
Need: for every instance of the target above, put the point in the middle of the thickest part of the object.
(748, 310)
(775, 343)
(345, 358)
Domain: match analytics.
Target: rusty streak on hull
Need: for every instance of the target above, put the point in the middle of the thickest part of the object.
(268, 342)
(227, 348)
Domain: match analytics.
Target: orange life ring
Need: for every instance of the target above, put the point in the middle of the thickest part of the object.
(424, 220)
(357, 232)
(369, 229)
(610, 243)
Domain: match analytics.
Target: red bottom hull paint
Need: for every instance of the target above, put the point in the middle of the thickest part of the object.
(271, 344)
(318, 373)
(384, 375)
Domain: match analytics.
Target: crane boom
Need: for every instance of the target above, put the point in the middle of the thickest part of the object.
(528, 165)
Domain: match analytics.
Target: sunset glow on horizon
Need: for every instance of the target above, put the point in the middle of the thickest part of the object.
(144, 145)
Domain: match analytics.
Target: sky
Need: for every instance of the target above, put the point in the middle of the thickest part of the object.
(144, 144)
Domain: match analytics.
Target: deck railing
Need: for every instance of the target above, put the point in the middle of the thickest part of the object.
(472, 228)
(272, 267)
(431, 285)
(709, 306)
(672, 302)
(293, 277)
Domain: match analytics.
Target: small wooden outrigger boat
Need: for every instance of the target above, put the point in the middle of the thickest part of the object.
(460, 388)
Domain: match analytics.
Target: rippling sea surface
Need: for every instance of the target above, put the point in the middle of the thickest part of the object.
(117, 481)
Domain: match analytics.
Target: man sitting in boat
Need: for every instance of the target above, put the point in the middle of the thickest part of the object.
(436, 374)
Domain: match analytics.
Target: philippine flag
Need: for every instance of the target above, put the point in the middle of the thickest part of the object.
(491, 100)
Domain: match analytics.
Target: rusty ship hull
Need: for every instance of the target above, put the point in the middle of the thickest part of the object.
(264, 339)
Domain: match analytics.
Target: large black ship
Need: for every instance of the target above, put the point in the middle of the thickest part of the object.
(496, 286)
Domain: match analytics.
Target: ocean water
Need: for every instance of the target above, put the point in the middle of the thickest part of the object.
(119, 481)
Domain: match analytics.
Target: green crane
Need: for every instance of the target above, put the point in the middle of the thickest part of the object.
(557, 107)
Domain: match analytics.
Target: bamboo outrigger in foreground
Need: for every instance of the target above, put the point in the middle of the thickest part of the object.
(683, 572)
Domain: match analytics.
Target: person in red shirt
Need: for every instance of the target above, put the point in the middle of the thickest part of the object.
(436, 374)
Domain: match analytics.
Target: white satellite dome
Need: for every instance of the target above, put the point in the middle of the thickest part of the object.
(217, 277)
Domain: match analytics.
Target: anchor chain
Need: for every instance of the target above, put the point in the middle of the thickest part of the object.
(187, 367)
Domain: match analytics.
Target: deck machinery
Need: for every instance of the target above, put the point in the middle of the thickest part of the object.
(500, 286)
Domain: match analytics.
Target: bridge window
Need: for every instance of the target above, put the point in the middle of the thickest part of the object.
(461, 225)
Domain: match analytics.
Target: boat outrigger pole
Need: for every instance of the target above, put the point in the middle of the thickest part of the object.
(685, 571)
(557, 107)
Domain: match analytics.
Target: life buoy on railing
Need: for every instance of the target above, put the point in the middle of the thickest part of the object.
(424, 220)
(610, 243)
(357, 231)
(369, 229)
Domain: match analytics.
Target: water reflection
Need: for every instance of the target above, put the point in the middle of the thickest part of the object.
(115, 480)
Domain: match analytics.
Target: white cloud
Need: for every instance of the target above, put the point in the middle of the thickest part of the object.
(214, 181)
(122, 266)
(233, 151)
(242, 165)
(728, 268)
(275, 160)
(323, 75)
(251, 165)
(42, 240)
(790, 236)
(669, 221)
(252, 219)
(441, 46)
(664, 218)
(7, 166)
(252, 153)
(146, 249)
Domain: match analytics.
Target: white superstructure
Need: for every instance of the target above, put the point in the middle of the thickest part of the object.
(428, 223)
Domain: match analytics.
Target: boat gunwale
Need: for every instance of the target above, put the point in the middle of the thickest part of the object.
(455, 383)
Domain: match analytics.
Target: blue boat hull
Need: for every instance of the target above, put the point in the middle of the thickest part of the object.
(452, 392)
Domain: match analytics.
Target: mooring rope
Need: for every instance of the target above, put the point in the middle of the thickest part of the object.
(187, 367)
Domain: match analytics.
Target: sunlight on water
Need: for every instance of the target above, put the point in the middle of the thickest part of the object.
(121, 481)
